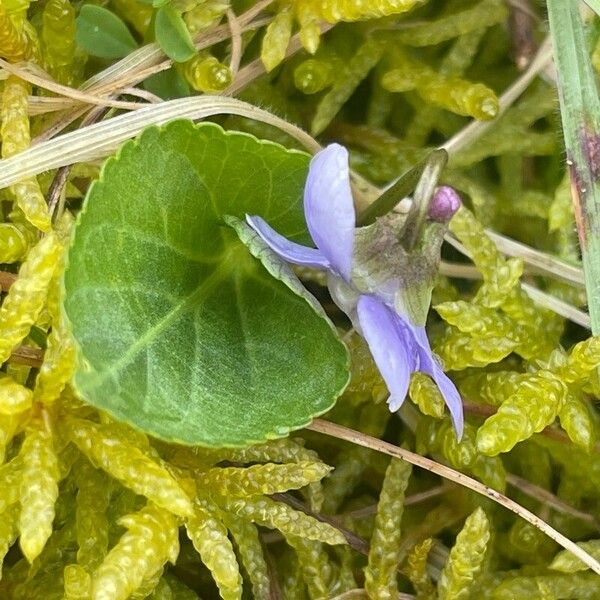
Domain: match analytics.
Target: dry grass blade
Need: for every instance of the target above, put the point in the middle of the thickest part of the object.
(546, 263)
(236, 42)
(40, 105)
(48, 84)
(99, 140)
(548, 498)
(361, 439)
(560, 307)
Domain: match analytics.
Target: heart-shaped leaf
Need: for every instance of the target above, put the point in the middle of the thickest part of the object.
(172, 35)
(101, 33)
(181, 331)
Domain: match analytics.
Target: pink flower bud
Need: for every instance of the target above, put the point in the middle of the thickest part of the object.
(444, 204)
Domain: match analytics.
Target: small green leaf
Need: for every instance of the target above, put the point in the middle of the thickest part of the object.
(167, 85)
(101, 33)
(172, 35)
(181, 332)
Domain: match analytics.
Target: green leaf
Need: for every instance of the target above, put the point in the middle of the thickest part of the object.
(580, 114)
(101, 33)
(167, 85)
(594, 5)
(172, 35)
(181, 332)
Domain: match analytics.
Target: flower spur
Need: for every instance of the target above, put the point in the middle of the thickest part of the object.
(384, 290)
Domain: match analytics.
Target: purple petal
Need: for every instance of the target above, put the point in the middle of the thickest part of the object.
(429, 365)
(288, 251)
(329, 209)
(391, 344)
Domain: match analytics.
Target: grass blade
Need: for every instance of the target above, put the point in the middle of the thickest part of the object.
(580, 113)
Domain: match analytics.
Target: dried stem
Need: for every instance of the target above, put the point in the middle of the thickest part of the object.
(560, 307)
(354, 541)
(55, 193)
(368, 511)
(45, 82)
(236, 42)
(549, 499)
(522, 23)
(366, 441)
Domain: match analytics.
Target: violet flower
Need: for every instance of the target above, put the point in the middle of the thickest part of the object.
(380, 305)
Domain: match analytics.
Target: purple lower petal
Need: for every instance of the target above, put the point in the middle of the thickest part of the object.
(329, 208)
(288, 251)
(391, 344)
(429, 365)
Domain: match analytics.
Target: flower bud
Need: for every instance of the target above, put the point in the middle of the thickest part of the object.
(444, 204)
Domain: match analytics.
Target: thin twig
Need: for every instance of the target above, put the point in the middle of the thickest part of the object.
(560, 307)
(152, 54)
(236, 42)
(522, 24)
(354, 541)
(56, 187)
(548, 498)
(133, 76)
(57, 125)
(43, 105)
(64, 90)
(275, 592)
(60, 178)
(144, 94)
(361, 439)
(256, 68)
(411, 500)
(545, 262)
(459, 270)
